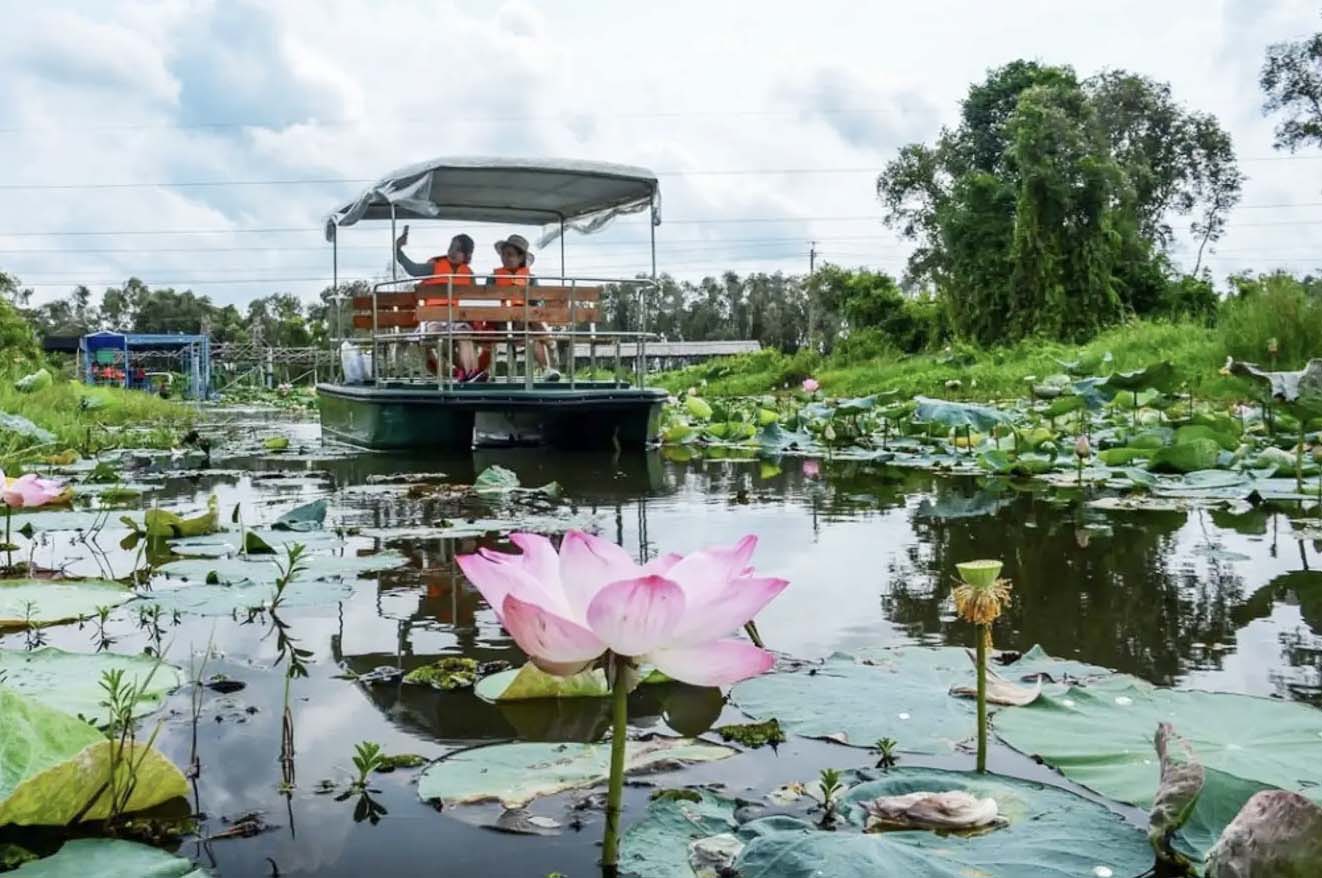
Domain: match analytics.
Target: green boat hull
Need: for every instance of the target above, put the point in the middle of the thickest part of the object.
(598, 415)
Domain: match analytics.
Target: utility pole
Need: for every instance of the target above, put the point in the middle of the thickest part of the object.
(812, 267)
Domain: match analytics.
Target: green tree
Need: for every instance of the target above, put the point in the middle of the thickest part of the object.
(1291, 81)
(1046, 208)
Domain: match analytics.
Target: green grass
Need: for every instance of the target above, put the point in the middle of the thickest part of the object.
(994, 374)
(111, 417)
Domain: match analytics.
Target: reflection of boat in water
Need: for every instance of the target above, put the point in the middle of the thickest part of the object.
(592, 475)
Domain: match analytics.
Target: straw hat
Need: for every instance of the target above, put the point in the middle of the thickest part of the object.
(520, 243)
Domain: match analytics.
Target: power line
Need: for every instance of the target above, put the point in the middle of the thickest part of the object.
(272, 230)
(640, 245)
(359, 181)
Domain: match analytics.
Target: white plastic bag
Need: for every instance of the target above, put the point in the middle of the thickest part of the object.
(352, 363)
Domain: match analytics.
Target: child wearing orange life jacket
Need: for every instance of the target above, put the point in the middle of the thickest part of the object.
(515, 271)
(440, 274)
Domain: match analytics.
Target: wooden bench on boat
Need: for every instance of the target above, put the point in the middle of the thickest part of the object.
(557, 307)
(496, 315)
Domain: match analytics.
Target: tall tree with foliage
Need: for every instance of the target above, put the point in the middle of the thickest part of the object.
(1047, 208)
(1291, 80)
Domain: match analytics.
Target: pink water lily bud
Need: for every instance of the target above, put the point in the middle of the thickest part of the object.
(810, 385)
(1082, 448)
(679, 613)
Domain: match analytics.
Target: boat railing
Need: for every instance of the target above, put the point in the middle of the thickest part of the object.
(436, 314)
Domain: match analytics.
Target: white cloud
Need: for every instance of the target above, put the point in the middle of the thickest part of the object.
(341, 89)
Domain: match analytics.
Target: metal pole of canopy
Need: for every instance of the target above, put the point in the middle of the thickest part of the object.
(335, 281)
(642, 338)
(573, 293)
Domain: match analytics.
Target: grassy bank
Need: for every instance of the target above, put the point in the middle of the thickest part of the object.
(89, 419)
(1197, 352)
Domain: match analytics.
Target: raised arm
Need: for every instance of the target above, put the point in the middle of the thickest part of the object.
(415, 269)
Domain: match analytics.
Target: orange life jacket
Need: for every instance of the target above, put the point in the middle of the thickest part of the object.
(442, 265)
(519, 277)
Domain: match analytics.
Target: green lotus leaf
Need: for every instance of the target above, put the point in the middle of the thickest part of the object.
(1100, 735)
(527, 683)
(55, 768)
(71, 681)
(49, 601)
(515, 774)
(110, 858)
(1049, 833)
(1197, 454)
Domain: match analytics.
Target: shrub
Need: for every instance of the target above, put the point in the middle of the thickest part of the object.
(862, 345)
(17, 340)
(1275, 306)
(1189, 297)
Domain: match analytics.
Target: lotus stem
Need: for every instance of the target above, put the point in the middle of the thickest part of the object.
(610, 848)
(1298, 460)
(984, 635)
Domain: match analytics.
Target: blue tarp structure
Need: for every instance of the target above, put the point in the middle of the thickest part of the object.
(127, 359)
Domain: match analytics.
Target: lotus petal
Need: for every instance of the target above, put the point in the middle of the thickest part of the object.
(704, 573)
(539, 557)
(587, 565)
(718, 663)
(544, 635)
(729, 610)
(661, 564)
(496, 580)
(635, 616)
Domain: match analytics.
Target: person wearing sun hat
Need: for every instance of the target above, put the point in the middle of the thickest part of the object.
(516, 260)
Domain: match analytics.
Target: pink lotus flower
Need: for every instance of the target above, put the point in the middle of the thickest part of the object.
(31, 490)
(811, 468)
(676, 612)
(810, 385)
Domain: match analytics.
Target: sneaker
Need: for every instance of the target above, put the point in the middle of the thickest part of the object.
(551, 375)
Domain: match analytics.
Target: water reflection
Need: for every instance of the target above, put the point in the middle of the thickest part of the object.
(1224, 599)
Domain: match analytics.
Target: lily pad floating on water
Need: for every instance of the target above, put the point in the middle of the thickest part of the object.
(906, 688)
(110, 858)
(515, 774)
(265, 569)
(496, 479)
(71, 682)
(54, 764)
(910, 688)
(230, 596)
(223, 545)
(1049, 833)
(528, 682)
(34, 602)
(165, 524)
(1100, 735)
(309, 516)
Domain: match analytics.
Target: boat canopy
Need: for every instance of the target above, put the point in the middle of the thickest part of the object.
(556, 194)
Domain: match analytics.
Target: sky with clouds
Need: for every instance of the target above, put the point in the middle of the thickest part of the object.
(766, 121)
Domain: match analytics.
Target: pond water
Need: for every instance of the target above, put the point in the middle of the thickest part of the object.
(1179, 597)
